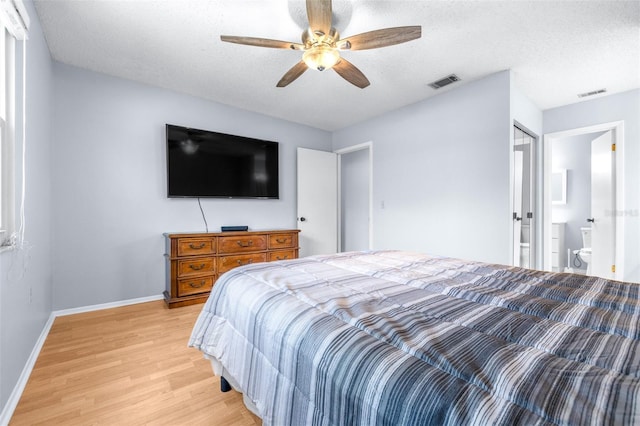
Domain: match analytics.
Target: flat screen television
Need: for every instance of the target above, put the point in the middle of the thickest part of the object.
(203, 163)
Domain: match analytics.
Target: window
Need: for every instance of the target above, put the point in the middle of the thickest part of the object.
(7, 134)
(14, 22)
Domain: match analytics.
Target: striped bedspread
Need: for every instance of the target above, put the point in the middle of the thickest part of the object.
(400, 338)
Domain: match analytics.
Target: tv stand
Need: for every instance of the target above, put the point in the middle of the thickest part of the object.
(196, 260)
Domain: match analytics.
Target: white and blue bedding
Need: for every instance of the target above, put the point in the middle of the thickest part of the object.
(399, 338)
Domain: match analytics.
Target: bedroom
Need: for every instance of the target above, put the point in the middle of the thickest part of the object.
(96, 235)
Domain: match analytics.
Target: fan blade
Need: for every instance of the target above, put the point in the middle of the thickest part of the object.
(380, 38)
(319, 14)
(295, 72)
(349, 72)
(262, 42)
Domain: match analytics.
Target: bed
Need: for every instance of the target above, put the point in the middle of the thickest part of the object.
(402, 338)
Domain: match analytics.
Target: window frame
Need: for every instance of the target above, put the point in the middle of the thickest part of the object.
(7, 138)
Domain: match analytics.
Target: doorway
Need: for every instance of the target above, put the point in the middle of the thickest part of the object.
(355, 188)
(335, 199)
(581, 231)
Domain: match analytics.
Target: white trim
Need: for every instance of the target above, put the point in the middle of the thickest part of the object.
(618, 128)
(339, 202)
(14, 16)
(347, 150)
(109, 305)
(14, 398)
(353, 148)
(7, 150)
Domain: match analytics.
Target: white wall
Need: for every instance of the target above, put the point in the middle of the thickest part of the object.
(623, 106)
(25, 276)
(110, 207)
(441, 172)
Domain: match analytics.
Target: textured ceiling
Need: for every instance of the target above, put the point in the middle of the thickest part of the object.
(556, 50)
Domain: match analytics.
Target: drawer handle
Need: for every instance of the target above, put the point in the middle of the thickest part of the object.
(194, 247)
(197, 267)
(196, 285)
(245, 263)
(282, 258)
(245, 244)
(281, 240)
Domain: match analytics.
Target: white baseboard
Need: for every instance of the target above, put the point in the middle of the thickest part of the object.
(14, 398)
(110, 305)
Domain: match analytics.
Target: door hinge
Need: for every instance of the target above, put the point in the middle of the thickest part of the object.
(613, 147)
(529, 215)
(613, 268)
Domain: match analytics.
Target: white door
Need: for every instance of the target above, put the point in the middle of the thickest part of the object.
(602, 206)
(317, 202)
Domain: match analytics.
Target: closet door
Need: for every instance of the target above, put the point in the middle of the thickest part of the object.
(523, 198)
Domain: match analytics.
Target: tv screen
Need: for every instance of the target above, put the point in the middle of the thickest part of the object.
(202, 163)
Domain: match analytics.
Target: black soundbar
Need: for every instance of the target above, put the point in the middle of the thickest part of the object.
(234, 228)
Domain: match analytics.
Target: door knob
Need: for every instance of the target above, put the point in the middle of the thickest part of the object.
(592, 220)
(302, 219)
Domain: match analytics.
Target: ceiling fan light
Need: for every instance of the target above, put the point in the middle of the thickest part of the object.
(321, 57)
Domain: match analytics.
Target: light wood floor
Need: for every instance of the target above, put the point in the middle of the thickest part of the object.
(127, 366)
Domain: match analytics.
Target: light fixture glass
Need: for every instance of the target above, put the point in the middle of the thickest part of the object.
(188, 146)
(321, 57)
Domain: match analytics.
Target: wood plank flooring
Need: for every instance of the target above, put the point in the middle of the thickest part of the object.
(127, 366)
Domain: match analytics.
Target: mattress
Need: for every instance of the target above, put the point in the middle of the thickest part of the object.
(402, 338)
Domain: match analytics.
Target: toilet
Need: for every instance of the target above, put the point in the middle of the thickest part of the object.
(585, 251)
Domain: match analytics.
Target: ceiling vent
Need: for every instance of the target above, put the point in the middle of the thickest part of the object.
(444, 81)
(595, 92)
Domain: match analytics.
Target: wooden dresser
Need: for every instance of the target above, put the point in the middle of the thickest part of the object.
(195, 261)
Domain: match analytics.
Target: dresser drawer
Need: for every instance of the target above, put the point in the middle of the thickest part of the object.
(194, 261)
(195, 285)
(226, 263)
(200, 265)
(196, 246)
(282, 255)
(242, 243)
(278, 241)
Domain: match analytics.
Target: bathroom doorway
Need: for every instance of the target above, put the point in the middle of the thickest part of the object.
(582, 232)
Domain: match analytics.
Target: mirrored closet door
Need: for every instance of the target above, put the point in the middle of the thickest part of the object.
(523, 198)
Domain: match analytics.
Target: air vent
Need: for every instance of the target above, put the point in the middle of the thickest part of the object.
(595, 92)
(444, 81)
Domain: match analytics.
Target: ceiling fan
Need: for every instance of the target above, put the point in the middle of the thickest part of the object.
(322, 44)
